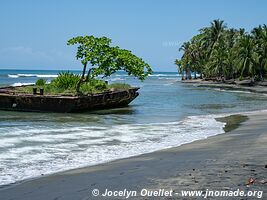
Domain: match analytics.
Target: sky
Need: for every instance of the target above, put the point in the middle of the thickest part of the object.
(34, 33)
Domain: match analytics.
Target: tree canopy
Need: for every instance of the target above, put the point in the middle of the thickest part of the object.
(105, 59)
(228, 53)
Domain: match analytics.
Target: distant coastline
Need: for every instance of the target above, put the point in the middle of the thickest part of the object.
(72, 70)
(257, 87)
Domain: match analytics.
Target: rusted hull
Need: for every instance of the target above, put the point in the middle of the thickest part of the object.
(46, 103)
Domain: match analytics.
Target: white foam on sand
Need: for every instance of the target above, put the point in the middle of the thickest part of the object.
(30, 152)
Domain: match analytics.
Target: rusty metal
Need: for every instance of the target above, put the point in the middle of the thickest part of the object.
(59, 103)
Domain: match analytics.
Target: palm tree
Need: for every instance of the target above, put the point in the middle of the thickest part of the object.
(247, 56)
(230, 53)
(263, 52)
(197, 55)
(180, 67)
(260, 36)
(213, 34)
(217, 64)
(230, 38)
(186, 59)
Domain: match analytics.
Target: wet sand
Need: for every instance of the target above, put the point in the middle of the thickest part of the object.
(224, 86)
(222, 162)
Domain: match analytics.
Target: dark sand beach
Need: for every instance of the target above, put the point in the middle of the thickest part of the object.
(140, 100)
(222, 162)
(257, 88)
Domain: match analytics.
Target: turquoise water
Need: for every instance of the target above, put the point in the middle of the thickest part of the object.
(167, 113)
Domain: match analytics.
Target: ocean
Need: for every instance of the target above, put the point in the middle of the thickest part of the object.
(166, 114)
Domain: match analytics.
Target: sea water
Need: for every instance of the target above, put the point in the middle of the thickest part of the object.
(166, 114)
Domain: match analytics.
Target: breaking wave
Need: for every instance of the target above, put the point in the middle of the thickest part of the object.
(30, 151)
(33, 75)
(21, 84)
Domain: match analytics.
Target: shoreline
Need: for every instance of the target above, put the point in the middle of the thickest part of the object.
(222, 161)
(214, 117)
(226, 86)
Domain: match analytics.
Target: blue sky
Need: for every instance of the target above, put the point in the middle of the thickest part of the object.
(34, 32)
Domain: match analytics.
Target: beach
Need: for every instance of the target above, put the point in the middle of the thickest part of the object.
(174, 137)
(166, 114)
(222, 162)
(257, 88)
(133, 100)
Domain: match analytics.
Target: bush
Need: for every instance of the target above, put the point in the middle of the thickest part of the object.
(66, 83)
(98, 84)
(94, 86)
(40, 82)
(119, 86)
(65, 80)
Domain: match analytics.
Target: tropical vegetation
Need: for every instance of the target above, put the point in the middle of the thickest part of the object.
(221, 53)
(104, 60)
(66, 83)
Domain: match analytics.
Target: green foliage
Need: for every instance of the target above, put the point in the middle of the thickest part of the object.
(26, 89)
(94, 86)
(106, 60)
(119, 86)
(91, 49)
(65, 80)
(40, 82)
(218, 51)
(65, 84)
(121, 59)
(246, 56)
(98, 84)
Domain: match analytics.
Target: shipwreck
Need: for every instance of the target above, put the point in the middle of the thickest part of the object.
(40, 102)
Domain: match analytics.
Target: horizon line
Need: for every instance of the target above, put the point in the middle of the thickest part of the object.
(68, 70)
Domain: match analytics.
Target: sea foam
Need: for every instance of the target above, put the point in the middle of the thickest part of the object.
(31, 152)
(21, 84)
(32, 75)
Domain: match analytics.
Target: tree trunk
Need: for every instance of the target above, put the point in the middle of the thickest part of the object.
(84, 69)
(182, 75)
(88, 74)
(252, 79)
(188, 74)
(82, 79)
(261, 77)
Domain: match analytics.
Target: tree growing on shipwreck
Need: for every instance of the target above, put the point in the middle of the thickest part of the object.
(105, 59)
